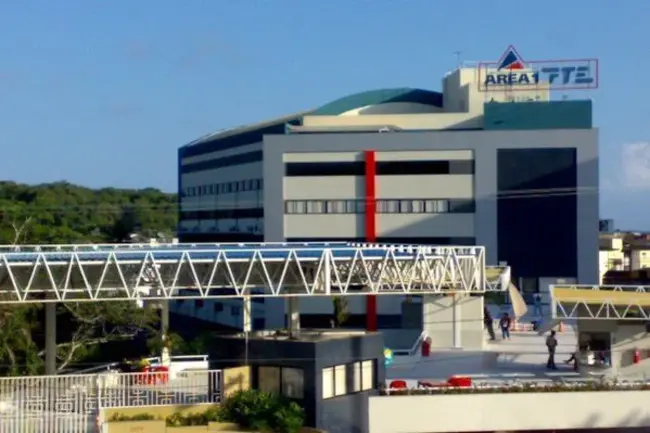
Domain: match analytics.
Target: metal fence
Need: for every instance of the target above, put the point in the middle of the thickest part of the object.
(71, 403)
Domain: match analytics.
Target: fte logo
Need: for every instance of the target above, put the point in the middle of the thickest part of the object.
(511, 72)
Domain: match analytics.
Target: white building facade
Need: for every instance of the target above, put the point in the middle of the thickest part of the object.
(405, 166)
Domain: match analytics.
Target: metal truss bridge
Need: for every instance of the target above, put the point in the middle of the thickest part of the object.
(112, 272)
(600, 302)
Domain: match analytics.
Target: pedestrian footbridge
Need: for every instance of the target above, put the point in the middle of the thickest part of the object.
(600, 302)
(111, 272)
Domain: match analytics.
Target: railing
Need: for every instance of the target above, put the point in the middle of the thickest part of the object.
(180, 360)
(71, 403)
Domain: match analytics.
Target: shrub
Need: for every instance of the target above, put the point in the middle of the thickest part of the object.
(136, 417)
(262, 411)
(194, 419)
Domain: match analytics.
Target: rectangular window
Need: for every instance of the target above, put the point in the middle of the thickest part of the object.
(355, 168)
(354, 206)
(405, 206)
(328, 382)
(334, 381)
(462, 206)
(340, 380)
(218, 307)
(315, 206)
(367, 375)
(235, 310)
(293, 383)
(461, 167)
(387, 206)
(336, 206)
(269, 379)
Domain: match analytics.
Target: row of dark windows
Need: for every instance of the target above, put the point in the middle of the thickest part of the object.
(218, 214)
(223, 188)
(419, 205)
(226, 161)
(383, 168)
(206, 145)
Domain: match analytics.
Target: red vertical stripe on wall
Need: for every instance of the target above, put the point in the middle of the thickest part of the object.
(371, 230)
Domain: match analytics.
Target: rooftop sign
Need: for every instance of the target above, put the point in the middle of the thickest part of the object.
(511, 72)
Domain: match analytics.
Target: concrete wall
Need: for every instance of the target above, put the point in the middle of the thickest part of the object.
(453, 321)
(508, 412)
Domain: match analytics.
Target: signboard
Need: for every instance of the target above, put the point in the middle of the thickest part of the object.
(512, 73)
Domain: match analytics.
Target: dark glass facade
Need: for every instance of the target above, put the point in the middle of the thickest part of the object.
(537, 212)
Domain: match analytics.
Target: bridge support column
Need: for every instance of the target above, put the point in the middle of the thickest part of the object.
(457, 321)
(50, 338)
(165, 355)
(247, 323)
(293, 315)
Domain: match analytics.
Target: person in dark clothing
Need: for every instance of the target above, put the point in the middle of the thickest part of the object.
(504, 324)
(489, 323)
(551, 345)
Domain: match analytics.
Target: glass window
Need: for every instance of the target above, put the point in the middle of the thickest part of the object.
(315, 206)
(269, 379)
(363, 376)
(405, 206)
(461, 206)
(367, 375)
(461, 167)
(340, 380)
(235, 310)
(356, 382)
(388, 206)
(418, 206)
(436, 206)
(328, 382)
(336, 206)
(293, 382)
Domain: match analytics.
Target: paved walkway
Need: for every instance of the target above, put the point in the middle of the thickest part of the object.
(522, 358)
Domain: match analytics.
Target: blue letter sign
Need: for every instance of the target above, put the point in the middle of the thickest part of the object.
(512, 73)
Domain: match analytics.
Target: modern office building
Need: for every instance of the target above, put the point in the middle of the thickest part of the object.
(516, 175)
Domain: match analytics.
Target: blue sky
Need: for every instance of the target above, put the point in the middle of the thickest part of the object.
(103, 93)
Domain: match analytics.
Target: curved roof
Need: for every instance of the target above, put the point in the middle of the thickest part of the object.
(377, 97)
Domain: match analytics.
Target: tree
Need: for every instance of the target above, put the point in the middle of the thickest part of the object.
(65, 213)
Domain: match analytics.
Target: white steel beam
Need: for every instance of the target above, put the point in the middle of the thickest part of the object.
(109, 273)
(606, 302)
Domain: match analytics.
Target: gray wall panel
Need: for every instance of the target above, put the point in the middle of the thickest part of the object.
(426, 186)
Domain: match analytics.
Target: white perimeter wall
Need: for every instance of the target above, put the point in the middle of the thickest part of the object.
(508, 412)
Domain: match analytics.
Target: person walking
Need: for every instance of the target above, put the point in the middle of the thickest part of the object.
(488, 321)
(537, 305)
(504, 324)
(551, 345)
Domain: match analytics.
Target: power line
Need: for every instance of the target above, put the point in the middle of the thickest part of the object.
(112, 208)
